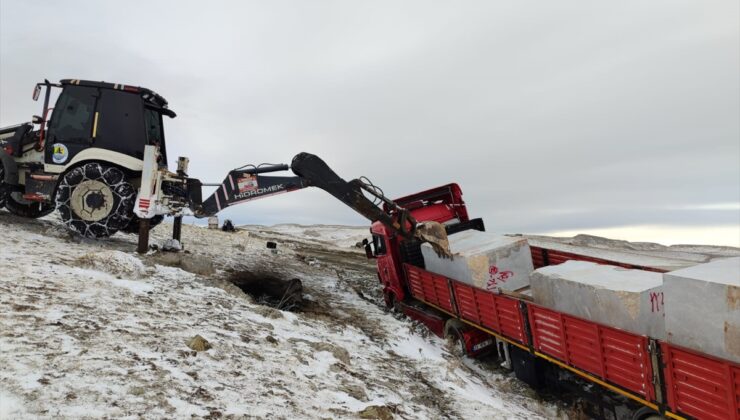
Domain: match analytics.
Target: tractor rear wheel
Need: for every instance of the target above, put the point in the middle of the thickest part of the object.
(15, 204)
(96, 200)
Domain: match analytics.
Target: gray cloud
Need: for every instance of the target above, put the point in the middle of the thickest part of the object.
(550, 116)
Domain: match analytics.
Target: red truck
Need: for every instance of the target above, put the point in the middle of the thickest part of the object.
(651, 378)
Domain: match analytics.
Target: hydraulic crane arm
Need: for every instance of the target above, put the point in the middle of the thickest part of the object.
(247, 183)
(316, 173)
(243, 185)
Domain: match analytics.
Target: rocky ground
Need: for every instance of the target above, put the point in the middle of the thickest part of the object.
(89, 329)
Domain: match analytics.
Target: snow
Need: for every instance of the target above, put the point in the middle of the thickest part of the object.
(133, 286)
(11, 407)
(330, 235)
(90, 329)
(415, 347)
(113, 262)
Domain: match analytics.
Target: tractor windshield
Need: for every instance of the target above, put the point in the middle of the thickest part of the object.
(72, 119)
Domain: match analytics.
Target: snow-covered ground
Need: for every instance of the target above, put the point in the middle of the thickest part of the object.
(329, 235)
(90, 329)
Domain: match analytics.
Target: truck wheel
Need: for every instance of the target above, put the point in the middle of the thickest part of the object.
(646, 413)
(453, 334)
(96, 200)
(391, 303)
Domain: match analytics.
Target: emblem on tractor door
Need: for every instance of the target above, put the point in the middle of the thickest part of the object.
(247, 183)
(59, 153)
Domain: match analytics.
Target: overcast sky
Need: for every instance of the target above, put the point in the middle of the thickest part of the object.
(568, 116)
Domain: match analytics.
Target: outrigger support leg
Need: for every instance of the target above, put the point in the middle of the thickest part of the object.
(143, 236)
(177, 229)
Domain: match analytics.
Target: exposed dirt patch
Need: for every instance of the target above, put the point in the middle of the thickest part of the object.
(379, 412)
(270, 289)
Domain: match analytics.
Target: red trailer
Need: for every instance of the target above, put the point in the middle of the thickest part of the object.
(656, 378)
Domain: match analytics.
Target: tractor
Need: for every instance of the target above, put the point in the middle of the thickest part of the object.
(84, 157)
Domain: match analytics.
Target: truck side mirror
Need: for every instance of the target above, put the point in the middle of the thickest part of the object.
(368, 249)
(36, 92)
(37, 120)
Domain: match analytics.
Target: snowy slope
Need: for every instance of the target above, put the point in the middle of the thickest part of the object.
(337, 236)
(89, 329)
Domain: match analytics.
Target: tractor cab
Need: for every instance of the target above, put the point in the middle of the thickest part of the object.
(104, 116)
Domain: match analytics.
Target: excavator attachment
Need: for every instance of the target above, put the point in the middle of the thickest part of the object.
(318, 174)
(435, 234)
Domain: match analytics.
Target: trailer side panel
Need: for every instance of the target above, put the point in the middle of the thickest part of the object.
(429, 288)
(497, 313)
(701, 386)
(612, 355)
(491, 311)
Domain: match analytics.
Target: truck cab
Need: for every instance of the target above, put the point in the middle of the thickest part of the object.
(442, 204)
(392, 251)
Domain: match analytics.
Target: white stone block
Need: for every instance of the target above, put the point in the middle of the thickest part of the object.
(631, 300)
(484, 260)
(703, 308)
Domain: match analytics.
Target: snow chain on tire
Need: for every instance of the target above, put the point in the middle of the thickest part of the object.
(123, 196)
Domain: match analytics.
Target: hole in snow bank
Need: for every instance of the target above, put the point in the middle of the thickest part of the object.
(270, 289)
